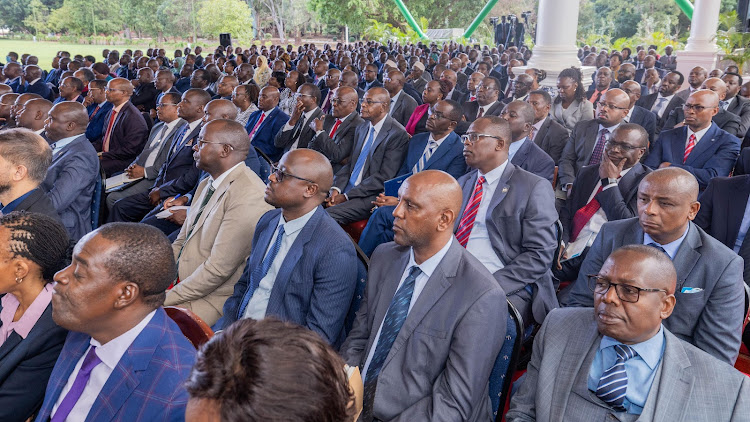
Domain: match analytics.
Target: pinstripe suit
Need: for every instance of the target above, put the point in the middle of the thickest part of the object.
(690, 385)
(146, 384)
(315, 283)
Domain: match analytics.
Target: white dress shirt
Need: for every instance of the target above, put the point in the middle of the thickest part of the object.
(377, 126)
(156, 143)
(62, 143)
(479, 239)
(428, 267)
(485, 108)
(256, 307)
(393, 102)
(110, 354)
(660, 111)
(306, 116)
(698, 135)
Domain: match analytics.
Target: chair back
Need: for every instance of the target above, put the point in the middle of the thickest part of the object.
(501, 377)
(191, 325)
(96, 201)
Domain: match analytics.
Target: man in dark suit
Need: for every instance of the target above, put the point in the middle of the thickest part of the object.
(523, 152)
(729, 122)
(586, 143)
(71, 178)
(379, 151)
(458, 93)
(521, 89)
(710, 296)
(145, 92)
(70, 90)
(164, 83)
(438, 149)
(333, 79)
(486, 104)
(602, 82)
(13, 73)
(264, 124)
(461, 77)
(402, 104)
(429, 315)
(546, 133)
(310, 278)
(334, 133)
(699, 147)
(225, 86)
(34, 82)
(663, 102)
(118, 307)
(648, 63)
(200, 79)
(125, 130)
(695, 79)
(637, 114)
(370, 78)
(183, 83)
(298, 132)
(97, 108)
(735, 103)
(508, 219)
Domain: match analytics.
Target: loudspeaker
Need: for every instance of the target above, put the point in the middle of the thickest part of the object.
(225, 39)
(743, 13)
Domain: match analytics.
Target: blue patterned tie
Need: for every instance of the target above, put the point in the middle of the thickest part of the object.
(360, 164)
(394, 320)
(431, 147)
(259, 272)
(613, 384)
(178, 139)
(657, 246)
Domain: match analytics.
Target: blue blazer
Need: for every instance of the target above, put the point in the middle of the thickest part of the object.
(178, 175)
(146, 385)
(53, 77)
(70, 185)
(534, 160)
(96, 128)
(448, 156)
(25, 367)
(646, 119)
(316, 281)
(713, 156)
(39, 87)
(267, 131)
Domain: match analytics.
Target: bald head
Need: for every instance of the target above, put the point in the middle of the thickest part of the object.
(219, 109)
(32, 72)
(655, 267)
(349, 78)
(5, 89)
(676, 180)
(229, 132)
(716, 85)
(314, 166)
(121, 84)
(33, 114)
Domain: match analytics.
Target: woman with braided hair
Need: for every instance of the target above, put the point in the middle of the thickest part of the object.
(33, 247)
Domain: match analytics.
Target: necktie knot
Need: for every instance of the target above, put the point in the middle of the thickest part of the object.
(624, 352)
(481, 180)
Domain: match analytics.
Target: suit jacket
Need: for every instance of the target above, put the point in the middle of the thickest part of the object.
(38, 201)
(163, 148)
(178, 174)
(315, 283)
(740, 106)
(532, 159)
(144, 97)
(70, 184)
(375, 84)
(418, 84)
(266, 133)
(95, 129)
(338, 149)
(448, 157)
(39, 87)
(726, 121)
(639, 74)
(451, 333)
(647, 120)
(618, 203)
(668, 62)
(689, 384)
(713, 156)
(182, 84)
(648, 102)
(414, 93)
(471, 108)
(684, 94)
(743, 163)
(129, 134)
(211, 260)
(301, 133)
(578, 150)
(710, 319)
(402, 109)
(459, 96)
(25, 367)
(146, 384)
(521, 224)
(551, 138)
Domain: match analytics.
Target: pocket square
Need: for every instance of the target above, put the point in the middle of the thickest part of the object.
(691, 290)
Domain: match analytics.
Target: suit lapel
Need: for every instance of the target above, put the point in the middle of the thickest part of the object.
(443, 149)
(628, 181)
(466, 189)
(539, 137)
(687, 254)
(10, 343)
(390, 279)
(215, 198)
(706, 143)
(678, 144)
(590, 139)
(397, 105)
(571, 364)
(417, 147)
(362, 133)
(503, 185)
(523, 151)
(675, 383)
(72, 351)
(736, 212)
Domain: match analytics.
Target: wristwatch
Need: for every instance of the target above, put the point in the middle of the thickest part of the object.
(606, 181)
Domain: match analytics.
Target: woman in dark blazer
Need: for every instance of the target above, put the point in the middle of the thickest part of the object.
(32, 248)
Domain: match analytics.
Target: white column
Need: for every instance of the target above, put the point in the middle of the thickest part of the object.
(701, 47)
(555, 49)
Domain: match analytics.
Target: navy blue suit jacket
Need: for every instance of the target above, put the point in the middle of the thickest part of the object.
(448, 156)
(25, 367)
(95, 129)
(182, 84)
(53, 77)
(39, 87)
(714, 155)
(723, 208)
(267, 131)
(146, 385)
(534, 160)
(316, 281)
(646, 119)
(178, 174)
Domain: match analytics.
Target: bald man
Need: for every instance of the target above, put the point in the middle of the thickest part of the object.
(696, 77)
(71, 178)
(5, 89)
(145, 92)
(125, 130)
(34, 82)
(212, 245)
(725, 120)
(263, 124)
(225, 86)
(334, 133)
(7, 101)
(443, 300)
(700, 146)
(13, 76)
(456, 94)
(660, 377)
(311, 277)
(33, 114)
(402, 104)
(710, 296)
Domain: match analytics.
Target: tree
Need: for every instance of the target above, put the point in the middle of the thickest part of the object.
(83, 17)
(232, 16)
(37, 18)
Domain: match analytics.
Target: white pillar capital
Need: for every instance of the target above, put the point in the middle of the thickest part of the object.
(701, 47)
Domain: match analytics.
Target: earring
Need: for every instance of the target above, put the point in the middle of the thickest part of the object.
(19, 280)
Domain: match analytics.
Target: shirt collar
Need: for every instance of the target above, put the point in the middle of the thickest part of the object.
(119, 107)
(438, 141)
(430, 264)
(297, 224)
(111, 352)
(12, 205)
(378, 125)
(487, 107)
(671, 247)
(395, 97)
(29, 318)
(538, 125)
(64, 141)
(699, 134)
(307, 114)
(668, 98)
(514, 147)
(216, 182)
(34, 81)
(610, 129)
(172, 124)
(192, 126)
(650, 350)
(494, 175)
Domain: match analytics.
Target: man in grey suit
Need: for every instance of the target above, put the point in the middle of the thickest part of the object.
(549, 135)
(153, 156)
(380, 148)
(710, 296)
(71, 178)
(297, 133)
(523, 152)
(402, 104)
(508, 219)
(432, 320)
(620, 362)
(334, 133)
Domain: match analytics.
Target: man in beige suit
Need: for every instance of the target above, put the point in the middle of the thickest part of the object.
(215, 240)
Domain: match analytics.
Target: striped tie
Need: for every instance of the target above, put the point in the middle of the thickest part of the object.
(470, 214)
(613, 384)
(431, 146)
(596, 154)
(689, 148)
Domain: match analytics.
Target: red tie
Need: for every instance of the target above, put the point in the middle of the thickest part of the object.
(470, 213)
(689, 148)
(473, 98)
(335, 127)
(94, 113)
(108, 133)
(257, 125)
(583, 215)
(480, 113)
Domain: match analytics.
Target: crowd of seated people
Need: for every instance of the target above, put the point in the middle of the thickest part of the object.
(381, 207)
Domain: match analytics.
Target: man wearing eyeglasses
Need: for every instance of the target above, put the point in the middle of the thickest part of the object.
(621, 360)
(302, 267)
(334, 133)
(725, 120)
(297, 133)
(710, 295)
(213, 243)
(663, 102)
(700, 147)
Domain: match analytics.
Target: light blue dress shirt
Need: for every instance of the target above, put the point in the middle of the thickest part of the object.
(671, 247)
(514, 147)
(59, 145)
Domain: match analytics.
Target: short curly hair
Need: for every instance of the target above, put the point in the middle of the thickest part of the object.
(40, 239)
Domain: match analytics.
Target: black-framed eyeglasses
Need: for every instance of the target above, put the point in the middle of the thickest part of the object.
(695, 107)
(625, 292)
(203, 141)
(280, 175)
(611, 106)
(620, 146)
(165, 104)
(473, 137)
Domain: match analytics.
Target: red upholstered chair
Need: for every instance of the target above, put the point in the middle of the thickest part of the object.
(191, 325)
(355, 229)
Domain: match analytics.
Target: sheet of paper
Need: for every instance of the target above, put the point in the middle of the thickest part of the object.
(167, 212)
(576, 248)
(118, 180)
